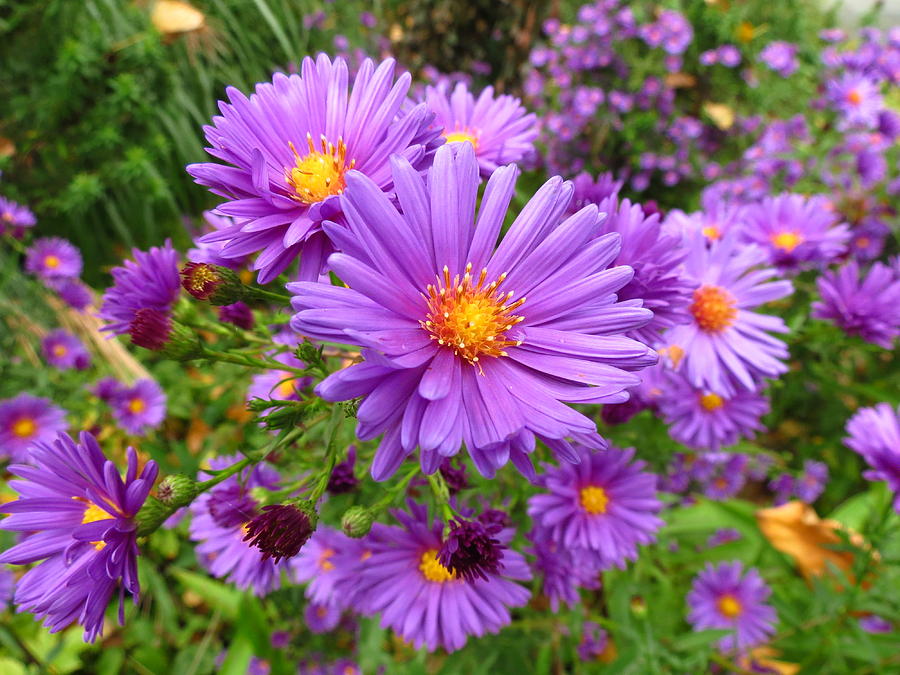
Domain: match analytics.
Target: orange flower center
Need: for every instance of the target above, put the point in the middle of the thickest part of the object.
(854, 97)
(320, 173)
(461, 135)
(59, 350)
(286, 387)
(594, 499)
(24, 427)
(469, 317)
(787, 241)
(431, 568)
(712, 232)
(325, 560)
(7, 216)
(51, 261)
(137, 405)
(729, 606)
(713, 308)
(710, 402)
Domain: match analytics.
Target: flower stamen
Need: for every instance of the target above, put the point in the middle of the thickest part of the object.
(713, 308)
(320, 173)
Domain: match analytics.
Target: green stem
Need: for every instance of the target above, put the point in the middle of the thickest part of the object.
(263, 294)
(334, 424)
(249, 361)
(441, 494)
(397, 489)
(224, 474)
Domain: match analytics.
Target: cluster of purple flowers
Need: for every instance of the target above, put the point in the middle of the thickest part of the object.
(137, 408)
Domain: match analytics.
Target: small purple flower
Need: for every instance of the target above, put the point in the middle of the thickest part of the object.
(330, 562)
(238, 314)
(727, 346)
(343, 478)
(322, 618)
(73, 292)
(417, 596)
(78, 514)
(107, 388)
(25, 420)
(139, 408)
(594, 642)
(780, 57)
(499, 128)
(14, 218)
(783, 486)
(858, 100)
(63, 350)
(286, 149)
(564, 572)
(811, 483)
(729, 56)
(53, 258)
(725, 597)
(798, 232)
(722, 536)
(218, 520)
(279, 384)
(867, 306)
(150, 281)
(723, 474)
(875, 624)
(605, 504)
(875, 434)
(705, 420)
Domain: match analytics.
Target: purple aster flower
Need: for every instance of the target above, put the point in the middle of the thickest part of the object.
(875, 624)
(875, 434)
(727, 346)
(797, 232)
(780, 57)
(454, 331)
(709, 58)
(63, 350)
(594, 642)
(606, 504)
(499, 128)
(286, 151)
(79, 515)
(423, 601)
(14, 218)
(589, 191)
(279, 384)
(7, 588)
(73, 292)
(53, 258)
(330, 562)
(722, 536)
(139, 408)
(722, 474)
(564, 572)
(322, 618)
(783, 485)
(25, 420)
(218, 522)
(812, 482)
(867, 306)
(725, 597)
(705, 420)
(857, 99)
(656, 259)
(238, 314)
(150, 281)
(729, 56)
(107, 388)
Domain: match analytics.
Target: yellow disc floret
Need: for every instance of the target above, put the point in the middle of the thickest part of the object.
(710, 402)
(713, 308)
(787, 241)
(594, 499)
(24, 427)
(137, 405)
(729, 606)
(460, 135)
(431, 568)
(51, 262)
(471, 317)
(320, 173)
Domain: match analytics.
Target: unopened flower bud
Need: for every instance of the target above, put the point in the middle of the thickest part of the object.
(177, 490)
(219, 285)
(357, 521)
(155, 330)
(281, 530)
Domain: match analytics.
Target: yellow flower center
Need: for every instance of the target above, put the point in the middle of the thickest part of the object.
(712, 232)
(745, 32)
(462, 135)
(286, 388)
(594, 499)
(325, 560)
(137, 405)
(854, 97)
(7, 216)
(320, 173)
(24, 427)
(713, 308)
(51, 261)
(729, 606)
(469, 317)
(431, 568)
(93, 513)
(201, 276)
(787, 241)
(862, 242)
(59, 350)
(674, 352)
(710, 402)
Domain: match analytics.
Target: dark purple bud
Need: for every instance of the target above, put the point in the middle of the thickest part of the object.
(470, 551)
(281, 530)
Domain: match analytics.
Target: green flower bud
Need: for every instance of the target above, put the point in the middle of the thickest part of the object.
(357, 521)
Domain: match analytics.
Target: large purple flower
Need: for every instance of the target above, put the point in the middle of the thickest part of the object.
(705, 420)
(725, 597)
(868, 307)
(150, 281)
(218, 522)
(288, 147)
(465, 343)
(797, 232)
(27, 419)
(53, 258)
(875, 434)
(727, 346)
(424, 602)
(606, 504)
(499, 128)
(656, 259)
(78, 513)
